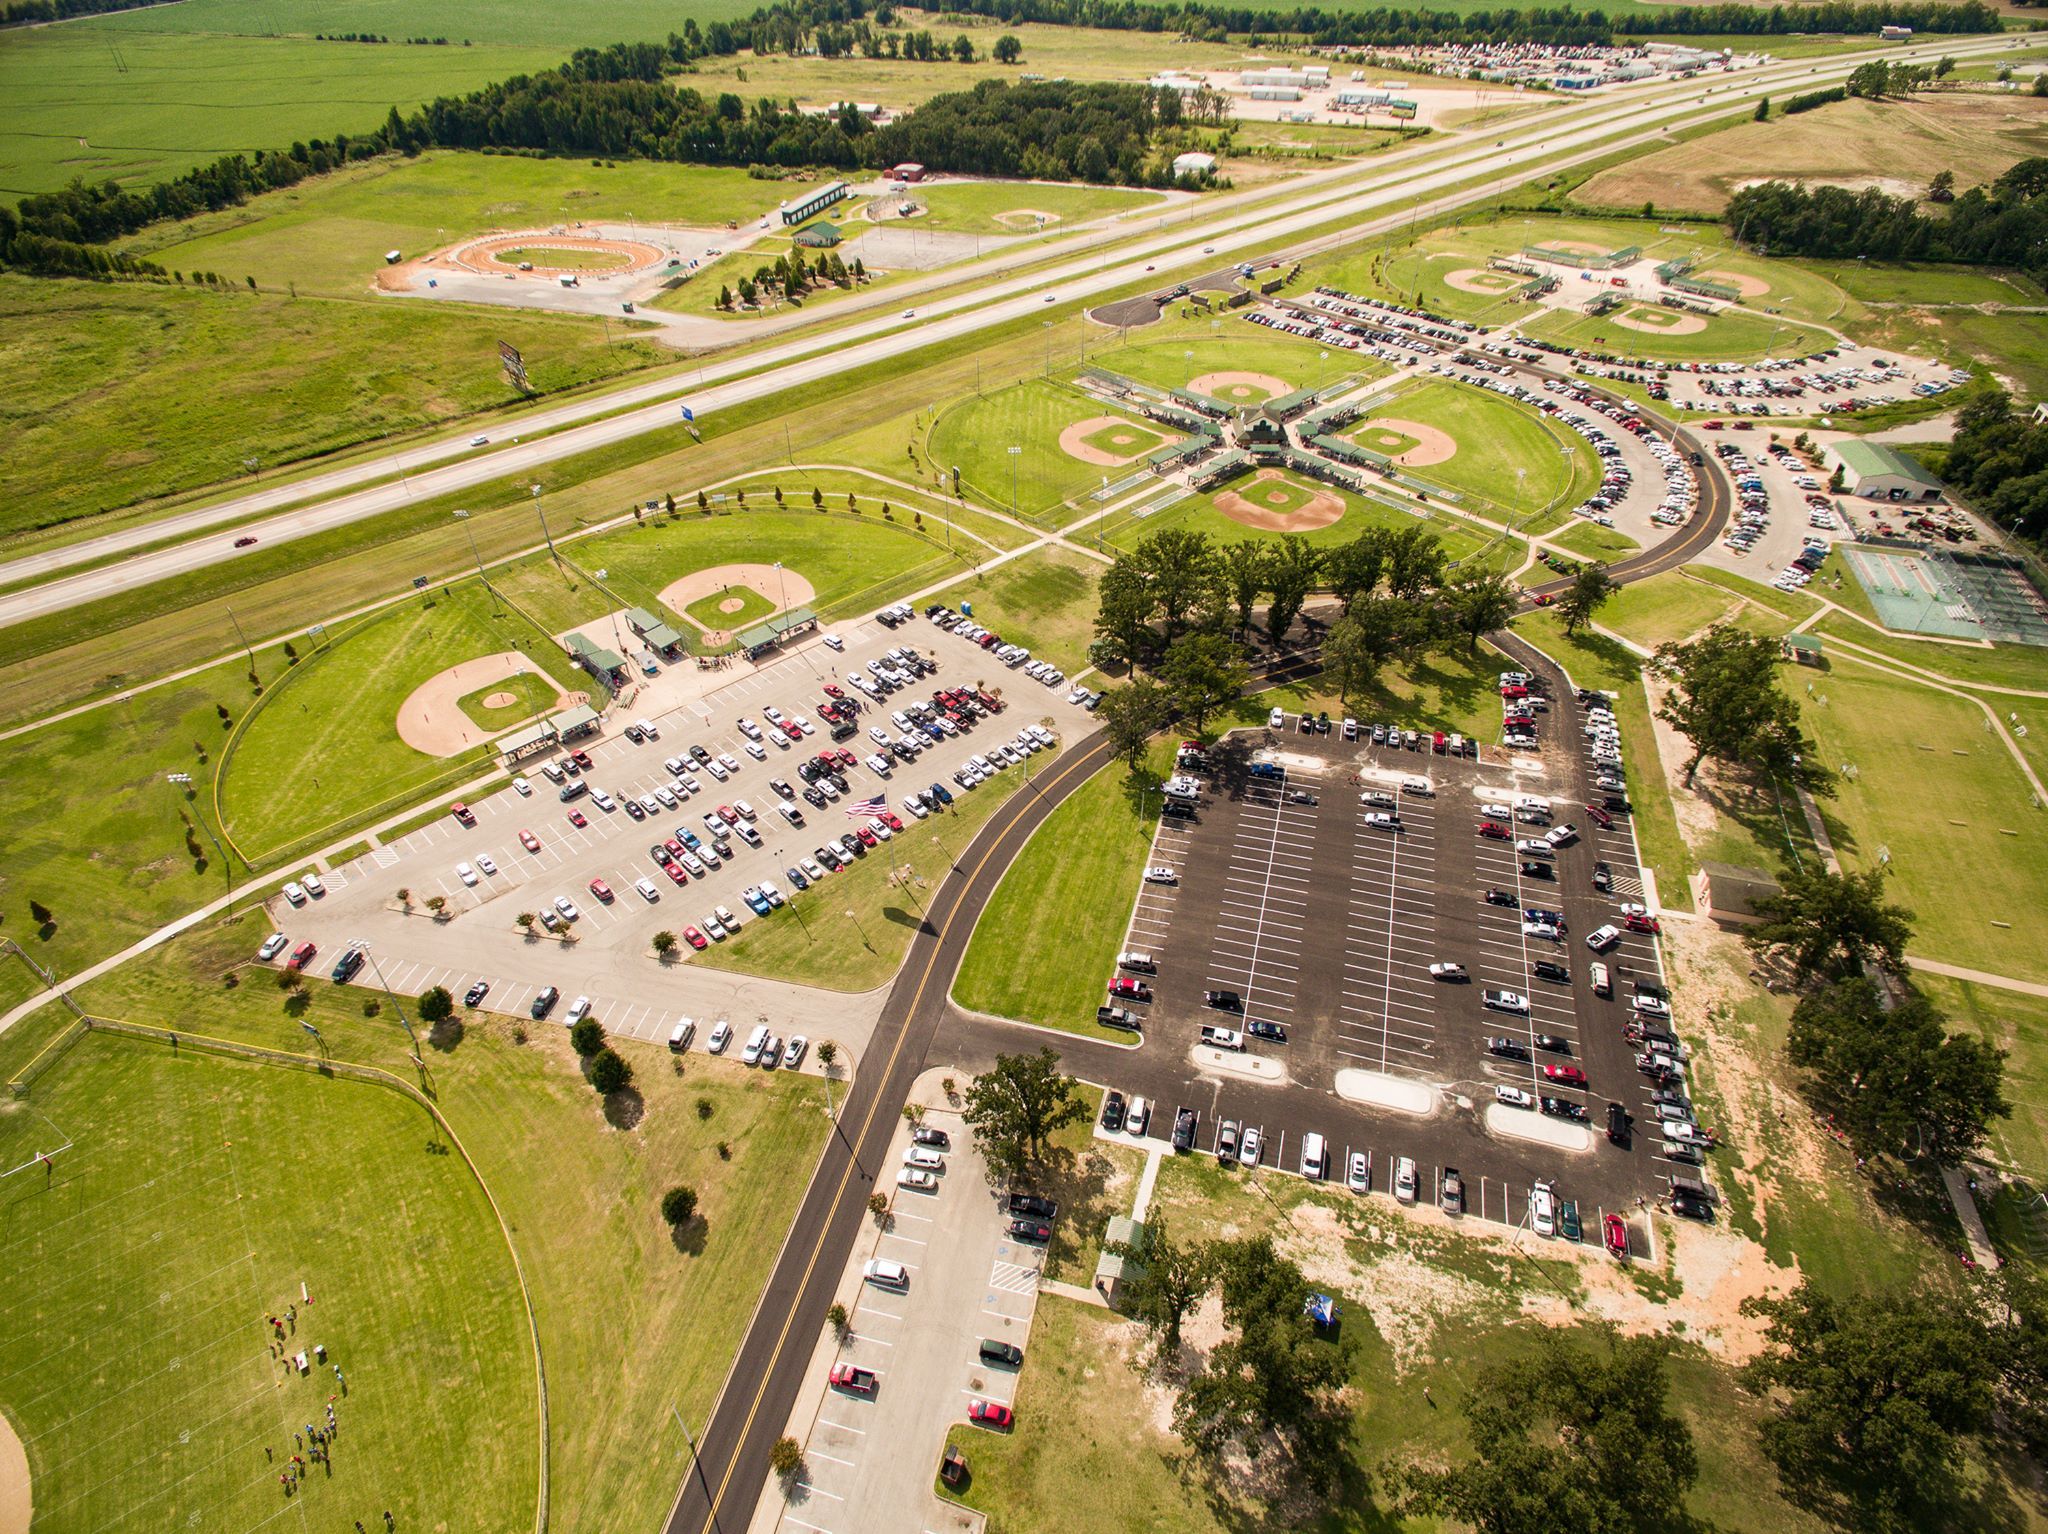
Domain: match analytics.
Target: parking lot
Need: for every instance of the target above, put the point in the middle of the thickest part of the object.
(1323, 923)
(527, 851)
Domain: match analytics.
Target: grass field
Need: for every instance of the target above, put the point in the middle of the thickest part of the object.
(1881, 282)
(1242, 349)
(1461, 540)
(1733, 335)
(1679, 603)
(1897, 145)
(1990, 666)
(1047, 944)
(2018, 1024)
(531, 694)
(325, 749)
(1044, 600)
(628, 1314)
(977, 434)
(199, 1195)
(138, 103)
(1495, 439)
(1938, 791)
(1593, 541)
(328, 235)
(707, 612)
(998, 207)
(147, 390)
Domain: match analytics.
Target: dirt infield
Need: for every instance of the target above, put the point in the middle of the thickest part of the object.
(1680, 325)
(1320, 509)
(1236, 388)
(1432, 444)
(430, 720)
(1075, 444)
(1472, 279)
(481, 255)
(1748, 287)
(16, 1496)
(783, 587)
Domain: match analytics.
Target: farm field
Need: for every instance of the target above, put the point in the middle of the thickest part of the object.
(328, 234)
(138, 1233)
(1896, 146)
(1044, 600)
(147, 390)
(1965, 866)
(137, 98)
(613, 1290)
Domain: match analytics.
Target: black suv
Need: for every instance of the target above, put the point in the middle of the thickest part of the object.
(1617, 1124)
(1550, 969)
(544, 1003)
(1113, 1112)
(1032, 1206)
(1184, 1130)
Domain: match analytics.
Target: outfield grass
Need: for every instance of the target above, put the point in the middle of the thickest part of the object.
(148, 389)
(1733, 335)
(324, 750)
(1938, 791)
(1047, 944)
(1044, 600)
(976, 436)
(1496, 437)
(1239, 348)
(328, 235)
(1460, 538)
(1589, 540)
(979, 207)
(138, 103)
(1593, 660)
(628, 1315)
(199, 1195)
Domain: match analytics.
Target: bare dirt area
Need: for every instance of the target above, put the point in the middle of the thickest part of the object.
(1075, 444)
(483, 255)
(1748, 287)
(1237, 387)
(1321, 508)
(17, 1503)
(1432, 443)
(779, 585)
(1471, 279)
(431, 721)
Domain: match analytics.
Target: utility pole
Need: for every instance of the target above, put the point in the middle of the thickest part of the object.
(463, 517)
(227, 868)
(550, 537)
(237, 622)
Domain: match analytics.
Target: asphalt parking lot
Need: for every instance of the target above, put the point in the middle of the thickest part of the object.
(611, 959)
(1325, 925)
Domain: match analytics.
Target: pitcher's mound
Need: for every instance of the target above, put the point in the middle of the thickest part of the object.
(500, 699)
(1274, 503)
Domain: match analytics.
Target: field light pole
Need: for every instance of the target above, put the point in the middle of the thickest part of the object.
(550, 537)
(850, 916)
(184, 780)
(463, 518)
(396, 1005)
(1014, 451)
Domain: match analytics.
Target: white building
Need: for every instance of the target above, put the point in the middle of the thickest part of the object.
(1194, 164)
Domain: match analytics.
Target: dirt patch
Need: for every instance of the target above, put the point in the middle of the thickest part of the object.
(1321, 509)
(1224, 385)
(732, 605)
(777, 585)
(1432, 444)
(1026, 218)
(1075, 444)
(1748, 287)
(500, 699)
(430, 720)
(1677, 325)
(1471, 279)
(16, 1500)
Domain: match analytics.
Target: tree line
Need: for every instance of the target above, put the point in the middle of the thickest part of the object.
(1999, 459)
(28, 13)
(2004, 224)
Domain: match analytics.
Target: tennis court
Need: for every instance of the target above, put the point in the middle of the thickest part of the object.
(1913, 595)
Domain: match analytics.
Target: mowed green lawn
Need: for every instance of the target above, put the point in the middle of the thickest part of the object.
(325, 748)
(978, 207)
(199, 1195)
(1733, 335)
(1495, 438)
(629, 1315)
(1938, 791)
(1046, 946)
(1461, 539)
(1233, 346)
(976, 436)
(1593, 541)
(328, 235)
(1044, 600)
(1678, 604)
(572, 24)
(146, 390)
(142, 103)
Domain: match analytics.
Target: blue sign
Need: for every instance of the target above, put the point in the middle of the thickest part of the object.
(689, 414)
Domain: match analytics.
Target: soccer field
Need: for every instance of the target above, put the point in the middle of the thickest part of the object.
(200, 1195)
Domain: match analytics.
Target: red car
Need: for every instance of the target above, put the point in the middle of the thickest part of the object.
(728, 814)
(1565, 1075)
(464, 815)
(675, 872)
(1544, 599)
(695, 938)
(845, 757)
(792, 730)
(833, 692)
(602, 890)
(867, 837)
(576, 818)
(990, 1414)
(1496, 830)
(1642, 924)
(301, 956)
(529, 841)
(581, 759)
(1615, 1229)
(888, 818)
(1126, 989)
(1514, 690)
(1600, 817)
(854, 1378)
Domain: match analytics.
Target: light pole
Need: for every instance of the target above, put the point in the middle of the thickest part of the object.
(1048, 346)
(397, 1006)
(237, 622)
(463, 517)
(1014, 451)
(850, 916)
(950, 863)
(184, 780)
(550, 537)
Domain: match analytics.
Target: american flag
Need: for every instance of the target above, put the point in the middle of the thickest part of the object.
(861, 809)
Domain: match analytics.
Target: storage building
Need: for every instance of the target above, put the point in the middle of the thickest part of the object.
(1194, 163)
(815, 203)
(1875, 472)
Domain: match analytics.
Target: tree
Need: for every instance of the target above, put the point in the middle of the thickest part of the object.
(664, 943)
(1168, 1281)
(1894, 1078)
(1415, 561)
(1245, 565)
(1008, 50)
(1130, 714)
(1016, 1108)
(1353, 570)
(1763, 109)
(724, 296)
(786, 1458)
(828, 1055)
(1124, 606)
(526, 919)
(1873, 1397)
(586, 1036)
(1588, 593)
(436, 1005)
(1291, 576)
(1186, 575)
(1831, 924)
(1569, 1437)
(963, 49)
(1362, 642)
(609, 1071)
(1943, 187)
(679, 1205)
(1202, 672)
(40, 913)
(1478, 605)
(1725, 700)
(837, 1318)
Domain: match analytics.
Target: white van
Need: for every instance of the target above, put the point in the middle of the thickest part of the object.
(1420, 787)
(680, 1036)
(1314, 1157)
(756, 1042)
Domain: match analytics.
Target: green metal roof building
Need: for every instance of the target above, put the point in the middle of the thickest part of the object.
(1879, 473)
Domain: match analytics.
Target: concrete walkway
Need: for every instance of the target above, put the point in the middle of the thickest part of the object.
(1977, 976)
(1154, 1154)
(1958, 1183)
